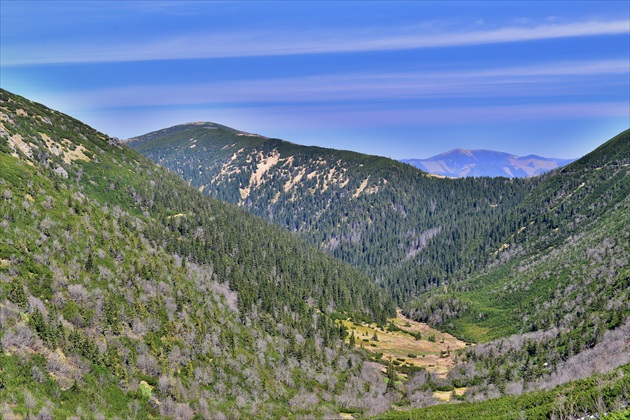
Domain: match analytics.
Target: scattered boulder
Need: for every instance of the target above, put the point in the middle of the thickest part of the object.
(61, 172)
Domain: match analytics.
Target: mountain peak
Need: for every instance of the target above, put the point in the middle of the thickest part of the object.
(457, 152)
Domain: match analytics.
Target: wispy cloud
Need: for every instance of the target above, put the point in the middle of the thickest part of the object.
(556, 78)
(285, 42)
(265, 119)
(343, 115)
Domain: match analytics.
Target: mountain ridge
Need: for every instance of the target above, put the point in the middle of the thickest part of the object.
(364, 209)
(458, 163)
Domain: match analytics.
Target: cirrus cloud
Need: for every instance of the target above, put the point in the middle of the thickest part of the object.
(284, 42)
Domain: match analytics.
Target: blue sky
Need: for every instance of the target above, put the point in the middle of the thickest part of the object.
(398, 79)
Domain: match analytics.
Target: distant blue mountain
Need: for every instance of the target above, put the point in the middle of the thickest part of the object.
(460, 163)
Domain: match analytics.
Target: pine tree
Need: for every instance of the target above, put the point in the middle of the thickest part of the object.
(392, 375)
(89, 264)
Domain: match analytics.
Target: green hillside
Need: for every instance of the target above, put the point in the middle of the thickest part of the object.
(606, 394)
(556, 306)
(569, 254)
(125, 292)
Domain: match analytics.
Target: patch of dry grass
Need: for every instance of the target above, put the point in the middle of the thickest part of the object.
(436, 356)
(447, 395)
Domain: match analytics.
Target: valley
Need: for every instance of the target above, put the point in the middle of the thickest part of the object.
(256, 278)
(234, 210)
(489, 260)
(378, 214)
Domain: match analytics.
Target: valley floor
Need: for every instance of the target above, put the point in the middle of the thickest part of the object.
(408, 343)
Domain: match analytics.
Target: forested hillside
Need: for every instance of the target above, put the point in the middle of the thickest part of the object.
(556, 302)
(125, 292)
(411, 230)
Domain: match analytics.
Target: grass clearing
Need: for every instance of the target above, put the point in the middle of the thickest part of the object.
(434, 350)
(447, 395)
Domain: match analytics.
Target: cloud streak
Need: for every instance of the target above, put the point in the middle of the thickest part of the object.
(349, 116)
(557, 78)
(284, 43)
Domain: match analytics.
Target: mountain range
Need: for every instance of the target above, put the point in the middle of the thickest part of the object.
(459, 163)
(242, 283)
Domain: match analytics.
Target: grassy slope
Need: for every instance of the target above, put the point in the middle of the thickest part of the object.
(591, 395)
(501, 300)
(576, 231)
(409, 343)
(100, 314)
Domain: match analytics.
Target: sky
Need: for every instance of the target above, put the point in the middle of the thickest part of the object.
(398, 79)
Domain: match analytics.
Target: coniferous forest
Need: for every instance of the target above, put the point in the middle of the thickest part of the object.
(203, 272)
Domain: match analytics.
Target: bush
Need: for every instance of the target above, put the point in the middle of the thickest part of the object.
(144, 389)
